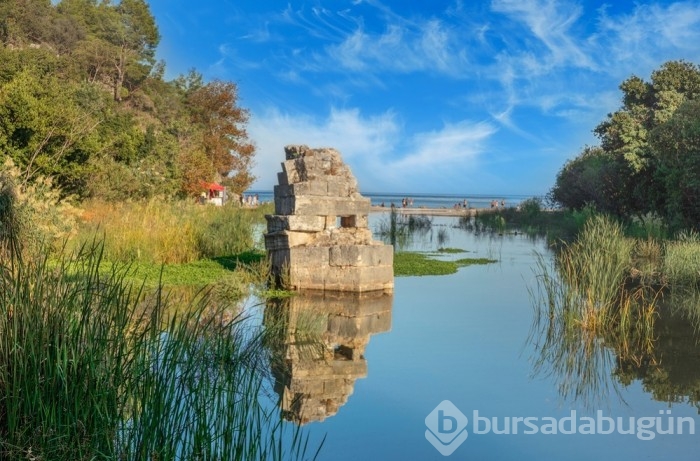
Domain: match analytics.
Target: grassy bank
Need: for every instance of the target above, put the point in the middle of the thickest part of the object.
(90, 369)
(170, 232)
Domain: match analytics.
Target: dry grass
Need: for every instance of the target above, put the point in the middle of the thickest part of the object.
(168, 232)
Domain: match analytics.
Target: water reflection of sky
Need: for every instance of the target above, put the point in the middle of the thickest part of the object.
(464, 338)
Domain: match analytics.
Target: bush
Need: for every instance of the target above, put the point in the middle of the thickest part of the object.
(33, 216)
(531, 208)
(167, 232)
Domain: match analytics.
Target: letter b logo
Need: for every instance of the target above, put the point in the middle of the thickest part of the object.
(442, 429)
(446, 428)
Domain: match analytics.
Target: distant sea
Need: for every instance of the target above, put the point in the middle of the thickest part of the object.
(423, 200)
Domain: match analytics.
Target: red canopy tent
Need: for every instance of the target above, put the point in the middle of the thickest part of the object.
(215, 192)
(211, 186)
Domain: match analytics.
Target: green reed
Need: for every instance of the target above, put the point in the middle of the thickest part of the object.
(681, 263)
(594, 269)
(90, 368)
(587, 309)
(161, 231)
(400, 229)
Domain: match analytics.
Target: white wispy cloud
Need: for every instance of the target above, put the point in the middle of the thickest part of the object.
(380, 154)
(428, 46)
(550, 21)
(648, 34)
(510, 62)
(362, 140)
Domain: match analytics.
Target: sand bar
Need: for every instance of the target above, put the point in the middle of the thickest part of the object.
(435, 211)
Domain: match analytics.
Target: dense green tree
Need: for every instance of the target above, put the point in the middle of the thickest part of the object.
(119, 41)
(628, 158)
(676, 146)
(25, 22)
(590, 178)
(83, 100)
(43, 129)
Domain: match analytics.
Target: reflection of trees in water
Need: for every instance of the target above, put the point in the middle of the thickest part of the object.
(317, 348)
(589, 366)
(674, 374)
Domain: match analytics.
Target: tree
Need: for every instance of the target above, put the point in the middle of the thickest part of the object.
(25, 21)
(82, 100)
(44, 130)
(121, 40)
(632, 163)
(214, 110)
(676, 145)
(590, 178)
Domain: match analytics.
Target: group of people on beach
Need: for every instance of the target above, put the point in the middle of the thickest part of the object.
(494, 203)
(250, 200)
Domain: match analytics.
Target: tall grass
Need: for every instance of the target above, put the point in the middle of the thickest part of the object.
(168, 232)
(399, 229)
(585, 310)
(530, 218)
(682, 259)
(595, 267)
(91, 370)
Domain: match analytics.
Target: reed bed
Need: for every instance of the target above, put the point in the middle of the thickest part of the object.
(168, 232)
(586, 309)
(682, 259)
(399, 229)
(92, 369)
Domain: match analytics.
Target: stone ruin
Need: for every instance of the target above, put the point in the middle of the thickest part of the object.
(316, 370)
(319, 237)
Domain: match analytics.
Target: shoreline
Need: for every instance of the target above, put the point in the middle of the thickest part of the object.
(457, 212)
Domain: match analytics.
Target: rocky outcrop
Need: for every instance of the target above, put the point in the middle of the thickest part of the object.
(319, 237)
(321, 350)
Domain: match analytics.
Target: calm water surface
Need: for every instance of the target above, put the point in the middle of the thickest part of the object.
(467, 338)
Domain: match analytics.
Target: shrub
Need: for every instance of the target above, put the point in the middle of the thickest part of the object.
(166, 232)
(33, 215)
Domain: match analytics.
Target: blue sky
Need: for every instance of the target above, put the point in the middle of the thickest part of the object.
(428, 96)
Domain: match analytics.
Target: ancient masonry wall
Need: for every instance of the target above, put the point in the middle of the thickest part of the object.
(315, 380)
(319, 237)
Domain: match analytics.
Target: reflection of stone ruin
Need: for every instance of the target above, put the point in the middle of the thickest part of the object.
(319, 237)
(322, 351)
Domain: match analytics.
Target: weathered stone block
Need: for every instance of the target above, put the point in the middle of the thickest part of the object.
(317, 206)
(361, 255)
(282, 179)
(277, 223)
(314, 188)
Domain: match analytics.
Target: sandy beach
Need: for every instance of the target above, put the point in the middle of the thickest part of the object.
(434, 211)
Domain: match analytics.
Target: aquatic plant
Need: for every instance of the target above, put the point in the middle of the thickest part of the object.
(442, 236)
(400, 229)
(166, 232)
(681, 263)
(585, 310)
(92, 369)
(420, 264)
